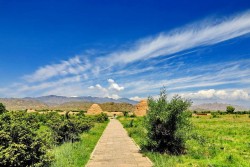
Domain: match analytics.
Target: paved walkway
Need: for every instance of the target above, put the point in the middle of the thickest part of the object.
(116, 149)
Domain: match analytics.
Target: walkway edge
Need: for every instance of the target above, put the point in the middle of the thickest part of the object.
(116, 149)
(91, 155)
(138, 147)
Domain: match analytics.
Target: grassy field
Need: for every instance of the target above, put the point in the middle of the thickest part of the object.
(78, 153)
(224, 140)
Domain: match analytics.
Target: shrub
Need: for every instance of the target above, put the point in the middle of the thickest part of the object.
(236, 116)
(26, 138)
(68, 129)
(125, 113)
(130, 124)
(133, 115)
(81, 113)
(102, 117)
(167, 124)
(19, 143)
(2, 109)
(215, 115)
(230, 109)
(189, 114)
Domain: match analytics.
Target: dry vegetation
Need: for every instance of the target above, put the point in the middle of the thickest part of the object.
(23, 104)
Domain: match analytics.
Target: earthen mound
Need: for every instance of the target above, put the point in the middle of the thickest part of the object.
(94, 110)
(141, 108)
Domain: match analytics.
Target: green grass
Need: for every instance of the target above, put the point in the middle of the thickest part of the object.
(224, 141)
(78, 153)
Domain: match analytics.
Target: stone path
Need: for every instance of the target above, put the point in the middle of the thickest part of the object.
(116, 149)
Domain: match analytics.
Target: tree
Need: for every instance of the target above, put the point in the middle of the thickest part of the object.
(230, 109)
(19, 143)
(167, 124)
(2, 108)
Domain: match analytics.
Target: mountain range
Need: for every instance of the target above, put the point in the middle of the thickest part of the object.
(52, 100)
(57, 102)
(215, 107)
(83, 103)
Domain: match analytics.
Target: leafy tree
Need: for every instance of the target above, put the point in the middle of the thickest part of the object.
(101, 117)
(68, 129)
(167, 124)
(230, 109)
(19, 143)
(2, 108)
(26, 138)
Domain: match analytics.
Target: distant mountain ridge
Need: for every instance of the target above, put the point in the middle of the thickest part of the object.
(22, 104)
(216, 106)
(58, 102)
(84, 102)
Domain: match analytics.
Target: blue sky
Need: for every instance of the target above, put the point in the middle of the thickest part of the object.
(200, 50)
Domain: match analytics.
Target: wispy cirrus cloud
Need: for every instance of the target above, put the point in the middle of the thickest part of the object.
(73, 66)
(232, 74)
(144, 66)
(195, 35)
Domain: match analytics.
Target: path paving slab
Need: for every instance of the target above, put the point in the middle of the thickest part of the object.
(116, 149)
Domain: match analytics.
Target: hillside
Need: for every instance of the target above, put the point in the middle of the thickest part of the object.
(113, 107)
(215, 107)
(66, 103)
(56, 100)
(74, 105)
(22, 104)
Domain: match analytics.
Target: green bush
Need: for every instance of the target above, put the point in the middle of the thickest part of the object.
(215, 115)
(230, 109)
(68, 128)
(2, 109)
(133, 115)
(81, 113)
(101, 117)
(130, 124)
(188, 114)
(27, 138)
(167, 124)
(125, 113)
(19, 143)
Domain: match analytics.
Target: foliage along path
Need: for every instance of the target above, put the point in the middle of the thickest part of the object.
(116, 149)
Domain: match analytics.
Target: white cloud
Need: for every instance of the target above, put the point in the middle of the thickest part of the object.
(114, 96)
(114, 86)
(189, 37)
(236, 94)
(98, 86)
(240, 94)
(77, 72)
(222, 94)
(165, 44)
(111, 92)
(73, 66)
(91, 87)
(136, 98)
(198, 77)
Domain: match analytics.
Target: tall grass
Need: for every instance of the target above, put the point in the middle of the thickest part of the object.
(77, 154)
(220, 141)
